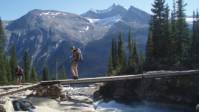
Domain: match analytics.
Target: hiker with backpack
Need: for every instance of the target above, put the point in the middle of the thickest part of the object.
(19, 74)
(76, 57)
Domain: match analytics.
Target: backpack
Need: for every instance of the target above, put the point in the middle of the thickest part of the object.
(21, 71)
(80, 56)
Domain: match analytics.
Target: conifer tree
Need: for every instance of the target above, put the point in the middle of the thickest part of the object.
(172, 44)
(33, 76)
(194, 49)
(2, 38)
(3, 74)
(182, 37)
(130, 47)
(121, 53)
(27, 66)
(8, 70)
(45, 75)
(141, 64)
(149, 60)
(158, 20)
(13, 62)
(135, 58)
(114, 54)
(62, 73)
(166, 39)
(110, 65)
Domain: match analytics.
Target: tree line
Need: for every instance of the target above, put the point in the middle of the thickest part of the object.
(171, 45)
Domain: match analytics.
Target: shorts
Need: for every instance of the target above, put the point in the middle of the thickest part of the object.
(19, 77)
(74, 63)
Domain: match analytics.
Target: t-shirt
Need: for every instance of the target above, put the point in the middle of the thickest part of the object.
(75, 56)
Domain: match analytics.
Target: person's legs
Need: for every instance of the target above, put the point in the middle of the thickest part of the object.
(20, 79)
(73, 69)
(17, 80)
(76, 69)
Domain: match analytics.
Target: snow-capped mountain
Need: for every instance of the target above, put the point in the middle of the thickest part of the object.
(48, 35)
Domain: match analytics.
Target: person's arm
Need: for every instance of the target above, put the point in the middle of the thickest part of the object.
(16, 71)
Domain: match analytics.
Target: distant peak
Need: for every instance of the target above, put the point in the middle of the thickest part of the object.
(132, 7)
(114, 5)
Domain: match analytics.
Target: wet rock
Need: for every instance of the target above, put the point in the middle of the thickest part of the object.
(53, 91)
(64, 97)
(23, 105)
(2, 109)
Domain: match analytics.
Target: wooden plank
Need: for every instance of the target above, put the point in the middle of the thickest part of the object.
(154, 74)
(13, 91)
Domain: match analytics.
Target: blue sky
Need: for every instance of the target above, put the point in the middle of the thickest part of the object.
(13, 9)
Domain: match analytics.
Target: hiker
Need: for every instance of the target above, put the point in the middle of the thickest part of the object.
(76, 57)
(19, 74)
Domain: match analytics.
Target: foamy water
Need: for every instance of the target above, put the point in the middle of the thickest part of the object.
(113, 106)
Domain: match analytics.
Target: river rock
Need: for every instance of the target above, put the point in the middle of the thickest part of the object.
(2, 109)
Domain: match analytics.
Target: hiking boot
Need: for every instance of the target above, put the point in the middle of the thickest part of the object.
(75, 77)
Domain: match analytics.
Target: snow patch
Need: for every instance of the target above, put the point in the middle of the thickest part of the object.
(53, 14)
(110, 20)
(58, 43)
(106, 21)
(87, 28)
(92, 20)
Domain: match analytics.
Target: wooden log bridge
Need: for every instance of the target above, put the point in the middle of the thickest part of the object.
(153, 74)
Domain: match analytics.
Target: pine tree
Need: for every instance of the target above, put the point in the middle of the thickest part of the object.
(13, 62)
(62, 73)
(110, 65)
(194, 49)
(166, 39)
(3, 73)
(182, 37)
(45, 75)
(27, 66)
(135, 58)
(130, 47)
(149, 60)
(114, 51)
(121, 53)
(172, 44)
(158, 35)
(2, 38)
(8, 70)
(141, 64)
(33, 77)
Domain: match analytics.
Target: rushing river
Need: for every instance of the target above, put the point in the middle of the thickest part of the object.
(113, 106)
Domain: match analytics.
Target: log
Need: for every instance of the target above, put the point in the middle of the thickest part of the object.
(13, 91)
(152, 74)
